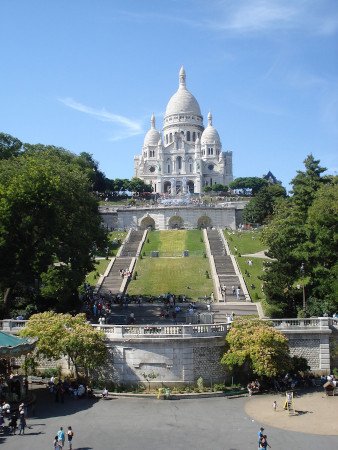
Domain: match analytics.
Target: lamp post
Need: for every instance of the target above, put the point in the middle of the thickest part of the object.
(302, 270)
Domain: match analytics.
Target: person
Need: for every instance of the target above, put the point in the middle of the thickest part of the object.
(22, 422)
(233, 290)
(56, 443)
(263, 442)
(274, 405)
(70, 435)
(13, 424)
(61, 438)
(260, 435)
(105, 393)
(238, 290)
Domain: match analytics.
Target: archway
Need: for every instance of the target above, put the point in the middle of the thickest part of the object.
(204, 222)
(147, 223)
(191, 186)
(176, 222)
(167, 187)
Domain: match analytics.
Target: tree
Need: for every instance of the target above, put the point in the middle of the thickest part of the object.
(138, 186)
(49, 222)
(260, 208)
(258, 346)
(9, 146)
(98, 178)
(248, 185)
(64, 335)
(302, 240)
(307, 182)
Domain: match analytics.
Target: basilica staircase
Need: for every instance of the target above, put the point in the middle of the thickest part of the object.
(227, 277)
(113, 281)
(224, 267)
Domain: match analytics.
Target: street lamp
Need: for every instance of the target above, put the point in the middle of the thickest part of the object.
(302, 271)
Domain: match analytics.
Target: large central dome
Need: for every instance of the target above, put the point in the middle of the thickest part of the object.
(183, 101)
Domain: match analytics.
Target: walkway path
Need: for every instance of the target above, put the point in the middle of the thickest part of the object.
(138, 424)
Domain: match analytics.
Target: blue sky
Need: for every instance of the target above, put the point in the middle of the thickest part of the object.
(87, 75)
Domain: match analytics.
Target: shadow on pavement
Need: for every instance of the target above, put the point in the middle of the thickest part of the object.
(46, 407)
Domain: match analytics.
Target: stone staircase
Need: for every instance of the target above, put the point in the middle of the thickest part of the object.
(130, 247)
(114, 280)
(221, 310)
(224, 267)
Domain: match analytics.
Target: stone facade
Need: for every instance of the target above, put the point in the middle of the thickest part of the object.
(164, 218)
(308, 349)
(186, 156)
(173, 361)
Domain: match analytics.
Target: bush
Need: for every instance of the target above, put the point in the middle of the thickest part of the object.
(51, 372)
(200, 384)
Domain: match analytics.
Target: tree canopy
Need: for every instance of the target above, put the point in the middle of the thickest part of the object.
(302, 239)
(9, 146)
(49, 223)
(248, 185)
(258, 346)
(261, 207)
(64, 335)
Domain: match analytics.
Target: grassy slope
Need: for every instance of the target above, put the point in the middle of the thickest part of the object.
(248, 242)
(174, 242)
(157, 276)
(100, 267)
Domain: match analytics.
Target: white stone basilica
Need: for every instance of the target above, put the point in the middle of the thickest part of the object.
(187, 156)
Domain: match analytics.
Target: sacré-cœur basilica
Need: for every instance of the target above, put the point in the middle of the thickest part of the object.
(186, 156)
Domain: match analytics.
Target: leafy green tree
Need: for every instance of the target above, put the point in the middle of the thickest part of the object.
(248, 185)
(256, 346)
(9, 146)
(302, 239)
(98, 178)
(306, 183)
(48, 216)
(64, 335)
(260, 208)
(138, 186)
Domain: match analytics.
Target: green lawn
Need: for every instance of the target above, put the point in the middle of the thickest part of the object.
(100, 267)
(156, 276)
(244, 241)
(248, 242)
(174, 242)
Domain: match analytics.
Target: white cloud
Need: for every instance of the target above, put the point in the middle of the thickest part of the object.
(250, 16)
(130, 127)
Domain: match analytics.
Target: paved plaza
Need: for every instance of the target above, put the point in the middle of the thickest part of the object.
(150, 424)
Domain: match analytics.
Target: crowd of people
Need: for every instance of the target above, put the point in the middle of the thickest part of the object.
(11, 419)
(72, 389)
(99, 307)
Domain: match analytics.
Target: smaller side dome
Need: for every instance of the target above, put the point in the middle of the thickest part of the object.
(153, 136)
(210, 134)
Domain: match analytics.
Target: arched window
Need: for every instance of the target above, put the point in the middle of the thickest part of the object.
(168, 165)
(190, 165)
(188, 135)
(194, 136)
(179, 163)
(170, 137)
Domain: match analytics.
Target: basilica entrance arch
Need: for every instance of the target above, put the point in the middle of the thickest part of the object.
(176, 222)
(167, 187)
(147, 223)
(191, 186)
(204, 222)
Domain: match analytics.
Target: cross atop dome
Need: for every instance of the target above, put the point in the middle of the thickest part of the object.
(182, 77)
(209, 119)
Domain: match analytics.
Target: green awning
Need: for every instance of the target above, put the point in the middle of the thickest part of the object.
(13, 346)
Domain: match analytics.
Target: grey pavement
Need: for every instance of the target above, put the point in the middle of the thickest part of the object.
(135, 424)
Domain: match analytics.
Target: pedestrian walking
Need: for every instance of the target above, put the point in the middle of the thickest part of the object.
(274, 405)
(61, 438)
(70, 435)
(22, 423)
